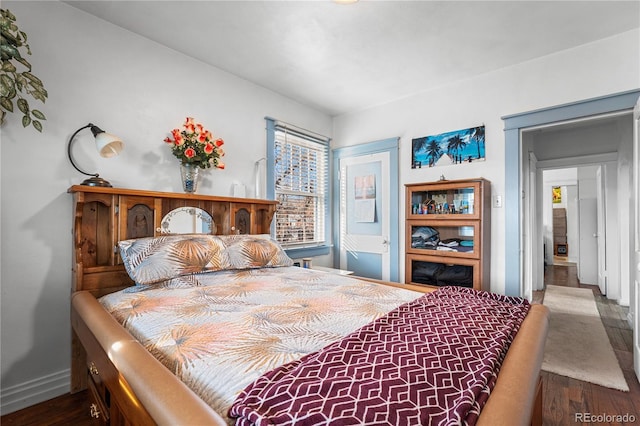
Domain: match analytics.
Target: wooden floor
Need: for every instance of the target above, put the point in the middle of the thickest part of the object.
(563, 398)
(64, 410)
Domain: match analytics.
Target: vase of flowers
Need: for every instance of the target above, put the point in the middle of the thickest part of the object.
(196, 148)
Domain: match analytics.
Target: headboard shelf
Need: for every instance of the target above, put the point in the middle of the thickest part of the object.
(104, 216)
(167, 195)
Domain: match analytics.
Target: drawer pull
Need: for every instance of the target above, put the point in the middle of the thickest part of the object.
(93, 369)
(95, 412)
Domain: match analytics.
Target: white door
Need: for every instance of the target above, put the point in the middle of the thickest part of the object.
(588, 261)
(365, 226)
(601, 238)
(531, 236)
(636, 232)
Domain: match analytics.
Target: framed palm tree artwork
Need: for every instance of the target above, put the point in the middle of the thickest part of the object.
(455, 147)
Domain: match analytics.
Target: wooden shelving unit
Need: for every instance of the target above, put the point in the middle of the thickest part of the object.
(448, 233)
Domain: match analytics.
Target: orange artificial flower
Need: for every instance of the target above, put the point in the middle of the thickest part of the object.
(189, 152)
(195, 145)
(189, 125)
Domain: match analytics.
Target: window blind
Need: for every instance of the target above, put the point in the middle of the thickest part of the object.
(301, 174)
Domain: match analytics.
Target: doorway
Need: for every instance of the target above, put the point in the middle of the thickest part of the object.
(365, 187)
(597, 144)
(567, 119)
(572, 230)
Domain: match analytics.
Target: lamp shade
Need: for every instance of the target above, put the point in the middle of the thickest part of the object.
(107, 145)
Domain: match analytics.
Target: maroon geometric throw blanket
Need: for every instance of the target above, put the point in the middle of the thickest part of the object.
(432, 361)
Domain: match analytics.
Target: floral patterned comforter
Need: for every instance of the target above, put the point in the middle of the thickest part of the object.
(228, 328)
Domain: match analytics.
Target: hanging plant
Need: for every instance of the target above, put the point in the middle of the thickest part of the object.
(14, 83)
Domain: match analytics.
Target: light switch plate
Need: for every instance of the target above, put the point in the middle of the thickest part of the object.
(496, 201)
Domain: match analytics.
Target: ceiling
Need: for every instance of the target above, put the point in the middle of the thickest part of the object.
(593, 135)
(343, 58)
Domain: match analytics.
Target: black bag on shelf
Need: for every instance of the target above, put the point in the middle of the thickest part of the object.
(456, 275)
(426, 272)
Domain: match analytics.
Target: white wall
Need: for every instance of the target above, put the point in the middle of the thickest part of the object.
(587, 199)
(612, 231)
(572, 222)
(624, 213)
(604, 67)
(96, 72)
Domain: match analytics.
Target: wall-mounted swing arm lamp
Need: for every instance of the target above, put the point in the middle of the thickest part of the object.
(108, 146)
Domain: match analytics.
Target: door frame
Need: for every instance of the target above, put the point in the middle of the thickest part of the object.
(514, 126)
(635, 289)
(601, 229)
(391, 146)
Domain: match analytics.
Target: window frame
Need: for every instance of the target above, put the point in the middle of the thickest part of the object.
(272, 126)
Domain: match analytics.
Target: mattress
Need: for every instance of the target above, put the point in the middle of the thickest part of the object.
(233, 326)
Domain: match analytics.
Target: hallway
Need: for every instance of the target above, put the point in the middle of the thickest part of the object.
(564, 397)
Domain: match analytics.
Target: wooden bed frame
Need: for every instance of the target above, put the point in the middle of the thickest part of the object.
(129, 386)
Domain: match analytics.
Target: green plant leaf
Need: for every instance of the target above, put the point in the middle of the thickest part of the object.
(23, 106)
(8, 38)
(39, 96)
(10, 50)
(33, 78)
(12, 92)
(6, 104)
(9, 15)
(6, 80)
(38, 114)
(4, 89)
(37, 125)
(24, 62)
(26, 120)
(8, 67)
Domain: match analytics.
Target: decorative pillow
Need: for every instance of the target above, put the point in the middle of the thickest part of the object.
(254, 251)
(154, 259)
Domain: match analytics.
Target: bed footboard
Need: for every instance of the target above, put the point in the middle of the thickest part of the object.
(131, 384)
(126, 381)
(516, 398)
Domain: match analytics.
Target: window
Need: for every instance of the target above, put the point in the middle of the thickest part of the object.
(299, 161)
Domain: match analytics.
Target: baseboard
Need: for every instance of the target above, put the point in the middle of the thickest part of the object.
(26, 394)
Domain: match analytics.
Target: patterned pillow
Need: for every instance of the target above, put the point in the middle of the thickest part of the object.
(155, 259)
(254, 251)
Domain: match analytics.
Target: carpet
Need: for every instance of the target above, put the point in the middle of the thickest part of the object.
(577, 344)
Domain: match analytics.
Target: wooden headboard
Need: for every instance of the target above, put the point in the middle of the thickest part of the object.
(104, 216)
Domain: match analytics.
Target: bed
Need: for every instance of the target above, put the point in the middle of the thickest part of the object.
(132, 381)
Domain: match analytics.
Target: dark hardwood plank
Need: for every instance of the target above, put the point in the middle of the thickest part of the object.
(68, 409)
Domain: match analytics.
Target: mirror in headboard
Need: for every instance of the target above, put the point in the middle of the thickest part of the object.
(187, 220)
